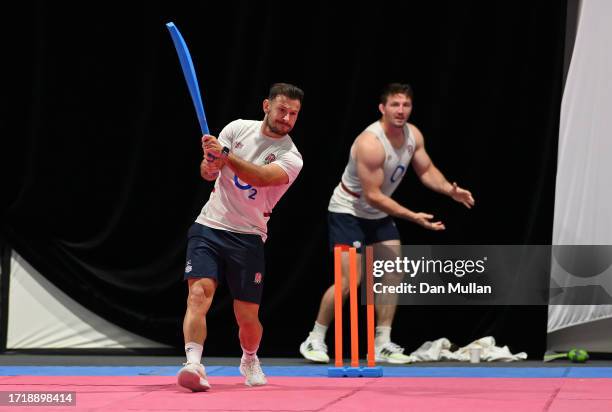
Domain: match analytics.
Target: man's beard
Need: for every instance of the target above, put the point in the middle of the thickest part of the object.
(399, 123)
(275, 129)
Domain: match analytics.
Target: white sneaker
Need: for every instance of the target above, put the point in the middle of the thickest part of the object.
(314, 349)
(193, 376)
(251, 370)
(391, 353)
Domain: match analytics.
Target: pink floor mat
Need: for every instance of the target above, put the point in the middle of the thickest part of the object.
(159, 393)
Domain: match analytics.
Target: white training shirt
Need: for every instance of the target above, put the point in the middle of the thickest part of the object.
(394, 167)
(237, 206)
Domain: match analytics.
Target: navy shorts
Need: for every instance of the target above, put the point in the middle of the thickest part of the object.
(234, 258)
(349, 230)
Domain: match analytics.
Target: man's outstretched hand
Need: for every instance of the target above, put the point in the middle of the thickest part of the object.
(462, 196)
(424, 219)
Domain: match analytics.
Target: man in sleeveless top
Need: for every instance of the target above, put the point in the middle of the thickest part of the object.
(253, 163)
(361, 209)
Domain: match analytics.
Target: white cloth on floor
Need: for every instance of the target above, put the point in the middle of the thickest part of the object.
(440, 350)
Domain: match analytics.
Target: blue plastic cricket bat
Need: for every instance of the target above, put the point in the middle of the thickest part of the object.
(189, 73)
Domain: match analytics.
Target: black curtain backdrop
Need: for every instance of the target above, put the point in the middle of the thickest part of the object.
(100, 146)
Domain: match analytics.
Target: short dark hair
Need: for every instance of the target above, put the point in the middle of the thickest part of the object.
(286, 89)
(396, 88)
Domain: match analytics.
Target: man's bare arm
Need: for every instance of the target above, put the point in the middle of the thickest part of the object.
(255, 175)
(432, 177)
(250, 173)
(370, 157)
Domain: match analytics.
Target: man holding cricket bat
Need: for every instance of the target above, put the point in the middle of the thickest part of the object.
(253, 163)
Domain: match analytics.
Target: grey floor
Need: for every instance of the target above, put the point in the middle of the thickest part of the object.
(20, 359)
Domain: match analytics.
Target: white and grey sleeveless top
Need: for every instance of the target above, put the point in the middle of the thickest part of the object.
(347, 196)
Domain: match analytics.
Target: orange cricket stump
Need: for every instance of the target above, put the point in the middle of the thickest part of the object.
(338, 304)
(354, 370)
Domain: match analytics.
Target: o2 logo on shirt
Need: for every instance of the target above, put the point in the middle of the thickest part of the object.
(241, 186)
(397, 173)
